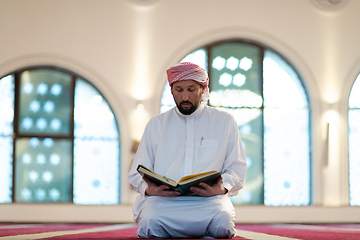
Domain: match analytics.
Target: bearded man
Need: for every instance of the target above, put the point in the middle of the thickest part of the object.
(188, 139)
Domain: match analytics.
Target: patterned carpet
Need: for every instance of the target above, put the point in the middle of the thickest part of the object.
(128, 231)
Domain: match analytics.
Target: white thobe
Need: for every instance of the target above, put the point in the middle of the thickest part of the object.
(176, 145)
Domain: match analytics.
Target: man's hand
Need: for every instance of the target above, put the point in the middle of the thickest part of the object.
(209, 191)
(154, 190)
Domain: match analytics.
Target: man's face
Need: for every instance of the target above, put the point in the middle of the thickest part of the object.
(187, 95)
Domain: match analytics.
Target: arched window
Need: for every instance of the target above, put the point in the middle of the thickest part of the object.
(59, 140)
(266, 96)
(354, 143)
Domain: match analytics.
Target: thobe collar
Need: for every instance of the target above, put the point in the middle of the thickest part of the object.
(197, 112)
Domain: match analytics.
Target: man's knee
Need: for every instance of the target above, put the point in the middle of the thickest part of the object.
(150, 226)
(222, 225)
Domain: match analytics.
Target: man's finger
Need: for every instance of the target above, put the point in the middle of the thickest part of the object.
(218, 183)
(199, 191)
(204, 185)
(146, 179)
(168, 193)
(149, 183)
(163, 187)
(171, 193)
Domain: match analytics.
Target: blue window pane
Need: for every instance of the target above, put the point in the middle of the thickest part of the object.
(6, 151)
(250, 128)
(198, 57)
(92, 113)
(354, 143)
(45, 102)
(96, 171)
(6, 105)
(354, 99)
(286, 157)
(235, 98)
(43, 170)
(167, 99)
(282, 86)
(6, 141)
(354, 156)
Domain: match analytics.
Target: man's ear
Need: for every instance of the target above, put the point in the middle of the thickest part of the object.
(203, 89)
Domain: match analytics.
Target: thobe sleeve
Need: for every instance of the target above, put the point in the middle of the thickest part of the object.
(145, 156)
(234, 167)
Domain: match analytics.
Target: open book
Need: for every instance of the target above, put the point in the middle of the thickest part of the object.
(184, 184)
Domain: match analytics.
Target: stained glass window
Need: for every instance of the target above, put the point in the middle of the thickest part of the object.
(43, 170)
(45, 102)
(354, 143)
(237, 83)
(65, 137)
(266, 97)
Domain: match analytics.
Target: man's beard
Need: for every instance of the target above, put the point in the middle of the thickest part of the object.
(187, 111)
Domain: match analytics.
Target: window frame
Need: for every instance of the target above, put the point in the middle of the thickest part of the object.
(262, 48)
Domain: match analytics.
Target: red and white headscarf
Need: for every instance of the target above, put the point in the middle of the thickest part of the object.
(190, 71)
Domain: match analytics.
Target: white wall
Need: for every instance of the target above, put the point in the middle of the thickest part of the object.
(125, 46)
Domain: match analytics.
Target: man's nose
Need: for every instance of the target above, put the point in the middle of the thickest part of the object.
(185, 97)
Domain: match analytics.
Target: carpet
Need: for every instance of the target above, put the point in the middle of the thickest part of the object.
(128, 231)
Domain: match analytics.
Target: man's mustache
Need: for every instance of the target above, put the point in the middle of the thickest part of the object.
(186, 102)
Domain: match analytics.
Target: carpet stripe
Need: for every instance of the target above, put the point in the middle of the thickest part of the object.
(319, 228)
(62, 233)
(21, 226)
(260, 236)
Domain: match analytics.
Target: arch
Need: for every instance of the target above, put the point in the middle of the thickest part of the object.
(353, 168)
(95, 78)
(219, 34)
(343, 108)
(63, 66)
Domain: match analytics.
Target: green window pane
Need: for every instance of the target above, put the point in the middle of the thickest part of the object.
(235, 76)
(43, 170)
(45, 102)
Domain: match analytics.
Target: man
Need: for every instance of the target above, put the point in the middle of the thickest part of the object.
(190, 138)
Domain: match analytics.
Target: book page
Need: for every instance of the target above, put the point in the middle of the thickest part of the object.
(157, 176)
(193, 177)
